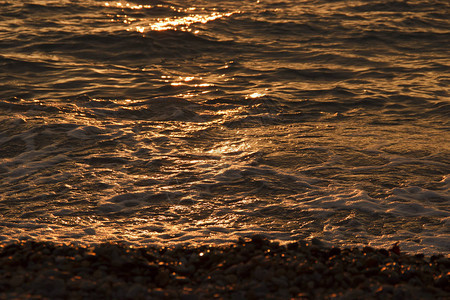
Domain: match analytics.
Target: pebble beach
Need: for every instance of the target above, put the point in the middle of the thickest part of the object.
(251, 268)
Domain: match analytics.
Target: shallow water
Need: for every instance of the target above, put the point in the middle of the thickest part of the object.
(203, 121)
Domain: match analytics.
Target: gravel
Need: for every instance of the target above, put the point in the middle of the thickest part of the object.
(252, 268)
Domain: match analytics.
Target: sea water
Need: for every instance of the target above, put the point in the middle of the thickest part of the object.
(182, 121)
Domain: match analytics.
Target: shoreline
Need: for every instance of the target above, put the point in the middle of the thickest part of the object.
(247, 269)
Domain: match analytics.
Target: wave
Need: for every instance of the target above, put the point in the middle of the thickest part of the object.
(197, 121)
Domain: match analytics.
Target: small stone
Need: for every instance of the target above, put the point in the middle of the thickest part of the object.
(384, 252)
(419, 256)
(368, 249)
(139, 279)
(358, 279)
(188, 297)
(50, 287)
(120, 289)
(317, 242)
(194, 258)
(16, 280)
(158, 294)
(162, 279)
(319, 267)
(334, 251)
(104, 288)
(371, 262)
(260, 290)
(77, 257)
(281, 282)
(444, 261)
(395, 249)
(136, 291)
(258, 239)
(442, 281)
(239, 295)
(233, 269)
(302, 244)
(280, 272)
(259, 273)
(98, 274)
(87, 285)
(293, 246)
(394, 278)
(181, 280)
(294, 290)
(60, 259)
(231, 278)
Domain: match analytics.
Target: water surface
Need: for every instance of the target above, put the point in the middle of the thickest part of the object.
(203, 121)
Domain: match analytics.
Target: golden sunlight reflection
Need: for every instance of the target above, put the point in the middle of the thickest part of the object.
(183, 81)
(161, 24)
(184, 22)
(255, 95)
(126, 5)
(231, 148)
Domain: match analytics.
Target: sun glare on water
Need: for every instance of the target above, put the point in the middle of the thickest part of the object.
(126, 5)
(182, 23)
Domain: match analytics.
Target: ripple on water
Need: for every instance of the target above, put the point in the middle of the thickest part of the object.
(203, 122)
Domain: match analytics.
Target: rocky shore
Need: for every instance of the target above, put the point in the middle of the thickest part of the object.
(253, 268)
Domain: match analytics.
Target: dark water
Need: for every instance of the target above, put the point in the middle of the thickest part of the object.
(202, 121)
